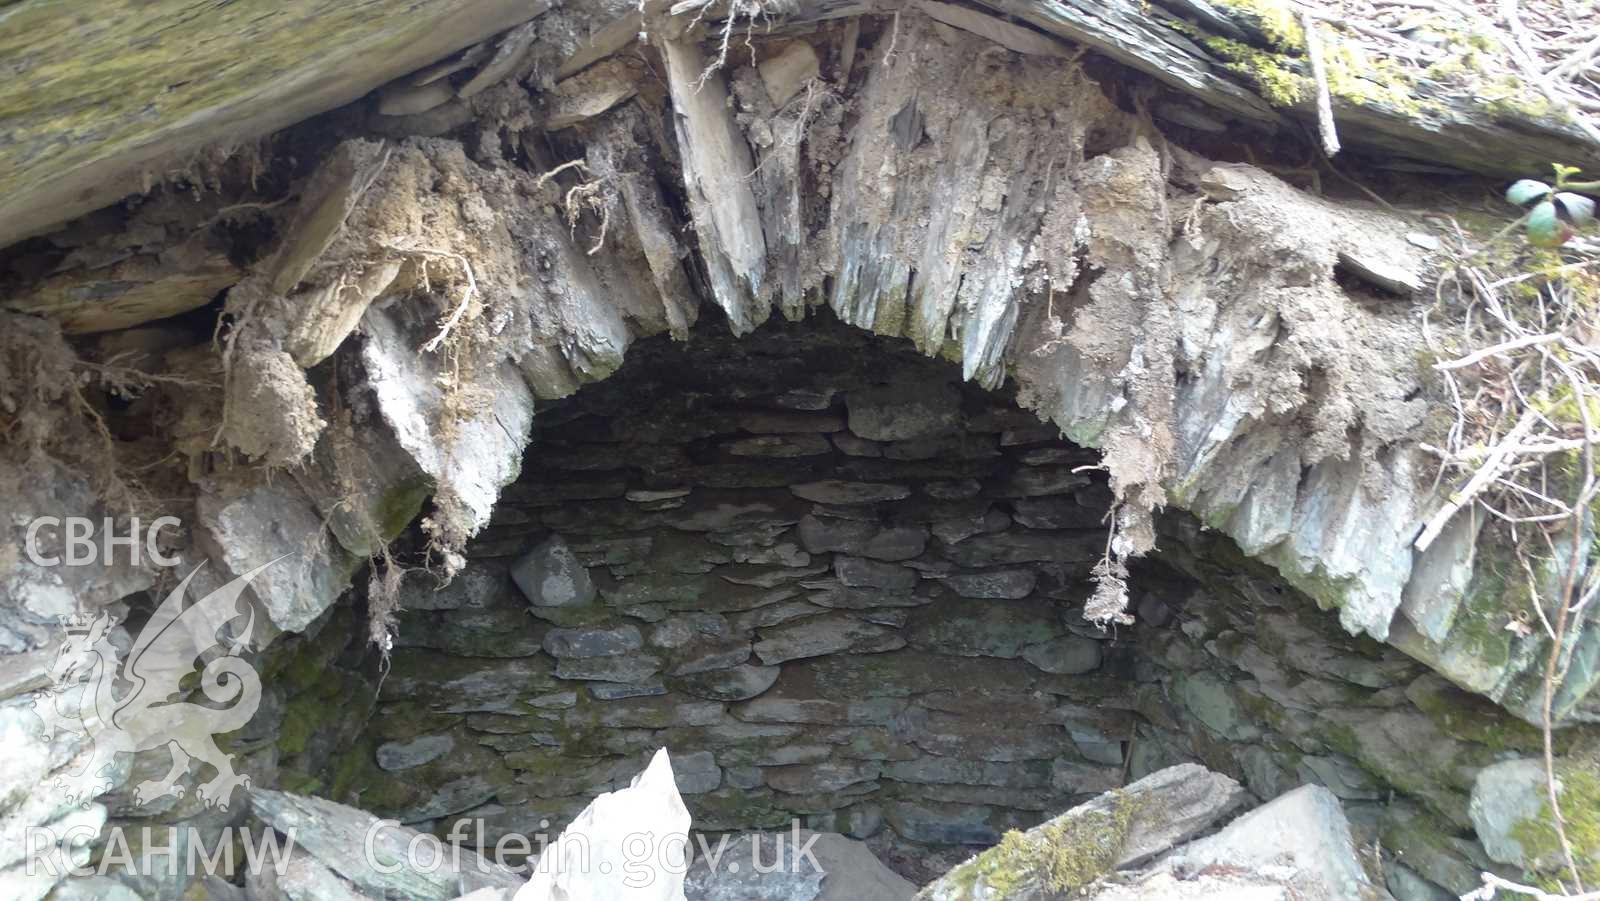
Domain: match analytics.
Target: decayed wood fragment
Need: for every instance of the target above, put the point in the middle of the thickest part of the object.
(79, 137)
(611, 39)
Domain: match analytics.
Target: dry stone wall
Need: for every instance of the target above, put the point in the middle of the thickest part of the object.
(844, 589)
(840, 587)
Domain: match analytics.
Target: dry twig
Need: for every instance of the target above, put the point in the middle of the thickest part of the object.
(1319, 74)
(1493, 884)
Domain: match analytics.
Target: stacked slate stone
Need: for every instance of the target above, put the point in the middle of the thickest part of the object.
(856, 604)
(842, 588)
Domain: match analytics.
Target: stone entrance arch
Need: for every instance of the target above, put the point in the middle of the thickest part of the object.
(355, 326)
(842, 587)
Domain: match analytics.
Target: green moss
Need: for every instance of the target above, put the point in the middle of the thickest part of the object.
(1279, 73)
(292, 780)
(384, 794)
(890, 320)
(1465, 716)
(1278, 84)
(300, 721)
(1580, 808)
(1472, 65)
(1480, 626)
(407, 719)
(1059, 857)
(1355, 77)
(1428, 845)
(351, 769)
(1275, 20)
(749, 809)
(1505, 93)
(90, 83)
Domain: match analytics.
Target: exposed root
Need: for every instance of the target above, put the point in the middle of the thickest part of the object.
(1109, 603)
(1493, 885)
(467, 295)
(127, 382)
(44, 414)
(383, 601)
(595, 196)
(752, 12)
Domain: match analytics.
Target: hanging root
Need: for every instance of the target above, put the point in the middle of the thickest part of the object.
(595, 195)
(1109, 603)
(383, 600)
(766, 13)
(467, 295)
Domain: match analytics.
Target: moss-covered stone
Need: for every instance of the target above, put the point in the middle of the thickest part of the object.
(1580, 811)
(96, 98)
(1470, 717)
(396, 509)
(731, 808)
(1432, 848)
(1056, 858)
(1274, 78)
(1275, 20)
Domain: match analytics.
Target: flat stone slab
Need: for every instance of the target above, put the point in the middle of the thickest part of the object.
(838, 491)
(821, 635)
(738, 683)
(904, 411)
(857, 572)
(863, 538)
(1067, 655)
(593, 642)
(1008, 584)
(781, 446)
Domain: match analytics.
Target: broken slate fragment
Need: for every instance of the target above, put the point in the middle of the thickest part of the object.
(593, 642)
